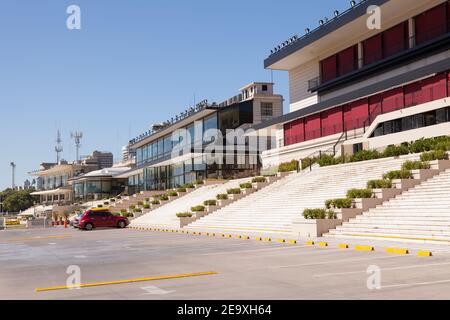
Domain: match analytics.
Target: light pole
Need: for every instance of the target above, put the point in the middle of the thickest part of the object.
(13, 169)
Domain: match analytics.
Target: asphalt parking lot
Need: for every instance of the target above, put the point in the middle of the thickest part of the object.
(229, 268)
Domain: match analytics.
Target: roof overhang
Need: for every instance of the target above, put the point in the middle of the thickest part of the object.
(338, 30)
(181, 124)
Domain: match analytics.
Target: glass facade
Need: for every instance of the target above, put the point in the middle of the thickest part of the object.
(413, 122)
(97, 189)
(194, 139)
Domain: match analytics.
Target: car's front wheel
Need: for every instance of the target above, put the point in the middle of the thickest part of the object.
(88, 226)
(121, 224)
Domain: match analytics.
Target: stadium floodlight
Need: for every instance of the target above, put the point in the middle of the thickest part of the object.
(336, 13)
(353, 3)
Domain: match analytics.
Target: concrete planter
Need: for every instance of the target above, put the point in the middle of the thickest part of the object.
(314, 228)
(285, 174)
(260, 185)
(199, 214)
(224, 203)
(235, 197)
(368, 203)
(248, 191)
(405, 184)
(173, 198)
(424, 174)
(386, 194)
(440, 165)
(186, 221)
(272, 179)
(346, 214)
(211, 209)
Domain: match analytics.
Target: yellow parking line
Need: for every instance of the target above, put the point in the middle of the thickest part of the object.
(98, 284)
(39, 238)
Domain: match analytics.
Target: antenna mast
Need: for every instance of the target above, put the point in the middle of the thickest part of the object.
(77, 136)
(58, 147)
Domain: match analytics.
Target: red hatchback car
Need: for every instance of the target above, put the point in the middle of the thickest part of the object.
(100, 218)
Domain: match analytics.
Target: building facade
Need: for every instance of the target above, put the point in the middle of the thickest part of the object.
(354, 87)
(177, 152)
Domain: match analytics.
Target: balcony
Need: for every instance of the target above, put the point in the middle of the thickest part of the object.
(430, 43)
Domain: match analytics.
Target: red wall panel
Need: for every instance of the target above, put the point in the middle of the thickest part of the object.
(329, 68)
(355, 114)
(294, 132)
(375, 106)
(413, 94)
(434, 88)
(347, 60)
(394, 40)
(373, 49)
(431, 24)
(332, 121)
(312, 127)
(393, 100)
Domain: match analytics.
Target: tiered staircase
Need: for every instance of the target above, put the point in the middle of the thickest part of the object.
(165, 216)
(133, 200)
(419, 214)
(272, 209)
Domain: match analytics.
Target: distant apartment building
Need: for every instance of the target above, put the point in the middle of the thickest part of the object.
(354, 88)
(159, 167)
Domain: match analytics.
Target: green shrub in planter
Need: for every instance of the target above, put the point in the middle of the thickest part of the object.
(319, 214)
(288, 166)
(222, 196)
(308, 162)
(210, 203)
(155, 202)
(140, 203)
(199, 182)
(189, 186)
(379, 184)
(113, 200)
(339, 203)
(247, 185)
(119, 197)
(259, 180)
(132, 207)
(106, 203)
(359, 193)
(147, 199)
(421, 145)
(434, 155)
(395, 151)
(137, 210)
(100, 206)
(146, 206)
(398, 174)
(164, 197)
(364, 155)
(173, 194)
(198, 209)
(181, 190)
(184, 215)
(415, 165)
(123, 211)
(234, 191)
(329, 160)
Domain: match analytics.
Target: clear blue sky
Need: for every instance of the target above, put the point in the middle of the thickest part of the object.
(133, 63)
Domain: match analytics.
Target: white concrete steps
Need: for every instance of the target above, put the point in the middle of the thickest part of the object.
(422, 212)
(165, 216)
(274, 207)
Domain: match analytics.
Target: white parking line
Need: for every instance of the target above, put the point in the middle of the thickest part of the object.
(384, 269)
(334, 261)
(415, 284)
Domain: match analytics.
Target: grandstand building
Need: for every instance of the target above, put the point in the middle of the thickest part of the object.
(353, 87)
(173, 153)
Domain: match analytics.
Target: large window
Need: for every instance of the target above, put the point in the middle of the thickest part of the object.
(417, 121)
(266, 109)
(209, 128)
